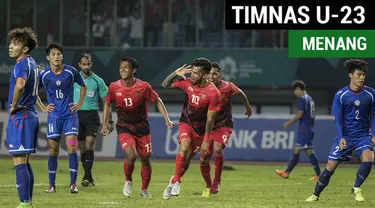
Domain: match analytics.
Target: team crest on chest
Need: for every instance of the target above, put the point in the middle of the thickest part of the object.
(137, 94)
(357, 103)
(203, 96)
(118, 94)
(58, 82)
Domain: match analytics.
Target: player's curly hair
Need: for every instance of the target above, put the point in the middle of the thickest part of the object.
(203, 63)
(216, 65)
(26, 36)
(299, 84)
(356, 64)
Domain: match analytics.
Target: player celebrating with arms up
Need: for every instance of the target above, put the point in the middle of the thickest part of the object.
(306, 117)
(131, 96)
(58, 80)
(197, 117)
(23, 123)
(222, 128)
(354, 110)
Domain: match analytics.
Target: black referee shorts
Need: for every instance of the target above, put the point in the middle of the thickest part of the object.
(89, 123)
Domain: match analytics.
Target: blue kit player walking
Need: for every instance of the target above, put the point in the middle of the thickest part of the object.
(23, 123)
(353, 107)
(306, 117)
(58, 80)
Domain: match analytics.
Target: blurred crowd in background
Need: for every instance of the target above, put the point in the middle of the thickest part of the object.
(132, 23)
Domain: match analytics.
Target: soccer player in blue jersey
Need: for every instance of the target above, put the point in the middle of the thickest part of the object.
(353, 107)
(23, 123)
(58, 80)
(306, 118)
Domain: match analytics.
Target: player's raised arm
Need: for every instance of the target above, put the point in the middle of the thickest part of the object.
(243, 98)
(182, 71)
(213, 108)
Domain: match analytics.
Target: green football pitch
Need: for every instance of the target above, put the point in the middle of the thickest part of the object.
(248, 185)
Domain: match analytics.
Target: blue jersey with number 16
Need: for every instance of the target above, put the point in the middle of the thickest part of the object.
(60, 90)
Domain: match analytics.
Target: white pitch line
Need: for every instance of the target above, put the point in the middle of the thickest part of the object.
(35, 185)
(41, 184)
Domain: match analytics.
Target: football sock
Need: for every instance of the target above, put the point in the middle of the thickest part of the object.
(146, 175)
(89, 163)
(31, 173)
(293, 162)
(128, 170)
(363, 171)
(52, 169)
(323, 181)
(23, 182)
(180, 166)
(315, 163)
(73, 167)
(205, 171)
(219, 164)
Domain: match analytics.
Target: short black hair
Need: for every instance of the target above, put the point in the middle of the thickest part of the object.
(299, 84)
(133, 63)
(203, 63)
(26, 36)
(356, 64)
(54, 46)
(216, 65)
(85, 55)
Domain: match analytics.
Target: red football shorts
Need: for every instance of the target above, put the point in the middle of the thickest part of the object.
(221, 135)
(185, 131)
(142, 144)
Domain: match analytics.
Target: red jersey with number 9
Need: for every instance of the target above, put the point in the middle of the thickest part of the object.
(132, 106)
(198, 101)
(224, 116)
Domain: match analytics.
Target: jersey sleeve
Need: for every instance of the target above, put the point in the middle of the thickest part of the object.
(40, 76)
(77, 77)
(214, 104)
(180, 84)
(150, 93)
(21, 71)
(110, 98)
(373, 103)
(103, 89)
(233, 88)
(301, 104)
(337, 109)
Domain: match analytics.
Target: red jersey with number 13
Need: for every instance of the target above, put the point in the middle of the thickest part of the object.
(132, 106)
(198, 101)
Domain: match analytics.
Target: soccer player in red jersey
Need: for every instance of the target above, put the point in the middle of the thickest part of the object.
(222, 128)
(197, 117)
(131, 97)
